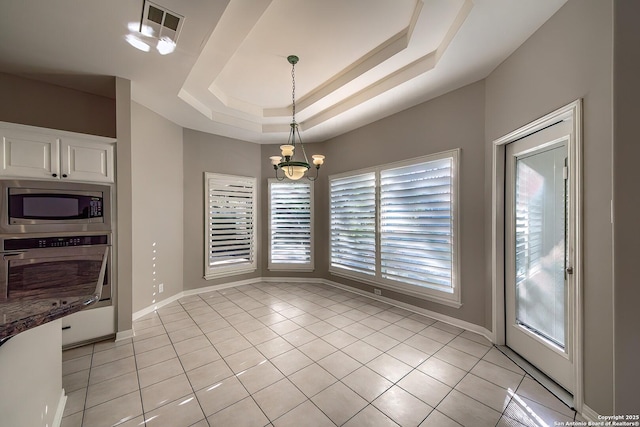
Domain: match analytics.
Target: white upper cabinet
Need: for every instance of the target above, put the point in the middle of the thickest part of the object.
(86, 160)
(32, 152)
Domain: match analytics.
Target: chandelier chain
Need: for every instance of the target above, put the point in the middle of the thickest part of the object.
(293, 90)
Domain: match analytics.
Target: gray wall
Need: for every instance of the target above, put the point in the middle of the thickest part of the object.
(454, 120)
(204, 152)
(157, 206)
(570, 57)
(626, 178)
(124, 224)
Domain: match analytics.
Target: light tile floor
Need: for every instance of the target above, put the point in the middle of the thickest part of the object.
(298, 355)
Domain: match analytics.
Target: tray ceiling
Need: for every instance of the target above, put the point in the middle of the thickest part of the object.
(360, 60)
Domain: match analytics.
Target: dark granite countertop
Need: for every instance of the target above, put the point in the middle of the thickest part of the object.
(21, 314)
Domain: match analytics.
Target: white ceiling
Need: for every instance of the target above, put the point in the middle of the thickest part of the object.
(360, 60)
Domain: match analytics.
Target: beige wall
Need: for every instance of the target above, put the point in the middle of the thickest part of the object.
(570, 57)
(626, 178)
(157, 206)
(36, 103)
(210, 153)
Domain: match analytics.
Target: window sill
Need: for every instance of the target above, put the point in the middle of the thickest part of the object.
(227, 273)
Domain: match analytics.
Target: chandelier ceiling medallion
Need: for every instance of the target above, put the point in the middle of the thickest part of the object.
(292, 168)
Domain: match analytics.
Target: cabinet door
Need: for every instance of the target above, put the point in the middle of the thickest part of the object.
(86, 160)
(29, 154)
(88, 324)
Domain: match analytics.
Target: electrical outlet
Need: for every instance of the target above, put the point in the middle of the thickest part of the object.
(377, 291)
(161, 287)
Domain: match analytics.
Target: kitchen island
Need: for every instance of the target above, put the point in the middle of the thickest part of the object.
(31, 393)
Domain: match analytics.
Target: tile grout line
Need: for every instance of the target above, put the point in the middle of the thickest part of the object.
(302, 301)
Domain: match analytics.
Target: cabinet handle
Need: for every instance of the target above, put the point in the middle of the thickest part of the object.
(64, 175)
(54, 175)
(64, 328)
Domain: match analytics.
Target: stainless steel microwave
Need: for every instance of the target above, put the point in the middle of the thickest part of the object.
(44, 206)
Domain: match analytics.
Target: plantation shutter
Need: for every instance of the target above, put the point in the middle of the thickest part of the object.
(416, 224)
(290, 223)
(231, 223)
(353, 223)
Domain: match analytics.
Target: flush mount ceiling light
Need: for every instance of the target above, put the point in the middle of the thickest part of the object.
(292, 168)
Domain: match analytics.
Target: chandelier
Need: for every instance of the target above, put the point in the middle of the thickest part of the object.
(292, 168)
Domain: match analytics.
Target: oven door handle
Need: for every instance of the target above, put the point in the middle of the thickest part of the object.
(6, 255)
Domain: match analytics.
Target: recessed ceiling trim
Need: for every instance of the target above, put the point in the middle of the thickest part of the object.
(373, 58)
(416, 68)
(234, 26)
(455, 27)
(402, 75)
(195, 103)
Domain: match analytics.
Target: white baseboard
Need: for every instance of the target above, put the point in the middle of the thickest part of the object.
(57, 419)
(589, 414)
(434, 315)
(123, 335)
(423, 311)
(150, 309)
(222, 286)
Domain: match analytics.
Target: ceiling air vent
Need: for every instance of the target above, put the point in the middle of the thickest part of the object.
(161, 23)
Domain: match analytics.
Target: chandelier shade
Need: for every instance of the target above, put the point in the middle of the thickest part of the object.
(294, 168)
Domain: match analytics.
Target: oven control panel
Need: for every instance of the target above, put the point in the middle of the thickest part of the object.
(54, 242)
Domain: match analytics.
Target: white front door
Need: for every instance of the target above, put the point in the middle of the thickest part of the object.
(539, 250)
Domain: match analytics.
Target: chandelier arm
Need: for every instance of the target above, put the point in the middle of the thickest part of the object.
(313, 178)
(277, 177)
(304, 153)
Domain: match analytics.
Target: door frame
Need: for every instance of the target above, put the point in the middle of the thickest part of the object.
(574, 111)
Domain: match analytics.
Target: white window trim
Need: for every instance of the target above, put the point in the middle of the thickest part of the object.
(453, 299)
(306, 267)
(217, 272)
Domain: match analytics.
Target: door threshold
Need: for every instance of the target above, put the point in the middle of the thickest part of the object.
(546, 382)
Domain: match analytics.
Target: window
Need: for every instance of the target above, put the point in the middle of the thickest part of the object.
(395, 226)
(230, 221)
(290, 225)
(353, 223)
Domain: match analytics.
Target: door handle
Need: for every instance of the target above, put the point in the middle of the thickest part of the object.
(6, 255)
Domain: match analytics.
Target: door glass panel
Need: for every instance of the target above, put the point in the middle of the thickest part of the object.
(540, 243)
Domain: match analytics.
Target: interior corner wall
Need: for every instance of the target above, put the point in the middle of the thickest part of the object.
(570, 57)
(626, 176)
(203, 152)
(454, 120)
(124, 244)
(157, 207)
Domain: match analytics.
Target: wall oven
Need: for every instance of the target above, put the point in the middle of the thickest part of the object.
(33, 267)
(54, 237)
(43, 206)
